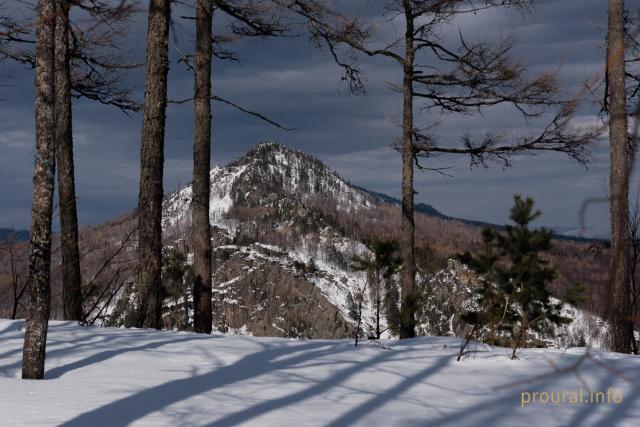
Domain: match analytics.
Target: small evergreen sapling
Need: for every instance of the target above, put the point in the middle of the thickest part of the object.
(514, 295)
(489, 298)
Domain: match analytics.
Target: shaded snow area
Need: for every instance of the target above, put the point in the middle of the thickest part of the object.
(114, 377)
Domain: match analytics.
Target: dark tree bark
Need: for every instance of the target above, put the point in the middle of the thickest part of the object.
(200, 229)
(71, 280)
(14, 285)
(35, 337)
(151, 166)
(407, 240)
(378, 303)
(619, 305)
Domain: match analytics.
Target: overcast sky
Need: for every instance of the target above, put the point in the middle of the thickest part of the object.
(294, 83)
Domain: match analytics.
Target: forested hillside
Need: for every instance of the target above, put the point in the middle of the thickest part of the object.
(285, 231)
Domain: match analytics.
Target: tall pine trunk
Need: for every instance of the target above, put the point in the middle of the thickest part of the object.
(35, 337)
(378, 303)
(151, 166)
(407, 227)
(619, 304)
(71, 280)
(200, 229)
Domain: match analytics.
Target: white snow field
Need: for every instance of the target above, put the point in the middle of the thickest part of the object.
(115, 377)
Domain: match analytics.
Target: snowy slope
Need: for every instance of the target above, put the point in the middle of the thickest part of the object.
(114, 377)
(177, 208)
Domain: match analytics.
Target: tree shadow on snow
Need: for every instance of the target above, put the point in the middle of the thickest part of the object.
(108, 354)
(78, 342)
(270, 360)
(131, 408)
(87, 340)
(15, 325)
(506, 403)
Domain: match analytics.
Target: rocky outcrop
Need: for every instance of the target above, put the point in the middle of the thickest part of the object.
(445, 297)
(262, 292)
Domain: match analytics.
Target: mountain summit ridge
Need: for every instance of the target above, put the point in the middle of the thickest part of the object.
(265, 174)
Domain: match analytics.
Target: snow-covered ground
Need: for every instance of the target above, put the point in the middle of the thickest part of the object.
(114, 377)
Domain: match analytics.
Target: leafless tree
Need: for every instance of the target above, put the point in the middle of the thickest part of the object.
(464, 79)
(200, 229)
(111, 16)
(71, 280)
(619, 303)
(634, 243)
(152, 164)
(621, 84)
(248, 18)
(360, 295)
(35, 337)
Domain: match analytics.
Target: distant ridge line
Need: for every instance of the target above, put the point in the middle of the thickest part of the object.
(429, 210)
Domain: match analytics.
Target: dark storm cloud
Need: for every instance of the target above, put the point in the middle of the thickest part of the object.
(299, 86)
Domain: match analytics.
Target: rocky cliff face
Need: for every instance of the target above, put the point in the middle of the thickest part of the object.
(446, 295)
(260, 289)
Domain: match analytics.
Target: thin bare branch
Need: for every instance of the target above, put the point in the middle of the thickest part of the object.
(237, 107)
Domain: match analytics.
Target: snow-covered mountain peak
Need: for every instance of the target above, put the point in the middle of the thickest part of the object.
(268, 173)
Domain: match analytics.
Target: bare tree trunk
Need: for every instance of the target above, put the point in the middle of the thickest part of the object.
(188, 279)
(359, 323)
(17, 295)
(14, 310)
(200, 228)
(35, 337)
(151, 165)
(14, 281)
(407, 307)
(634, 225)
(71, 291)
(378, 331)
(378, 301)
(522, 338)
(619, 299)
